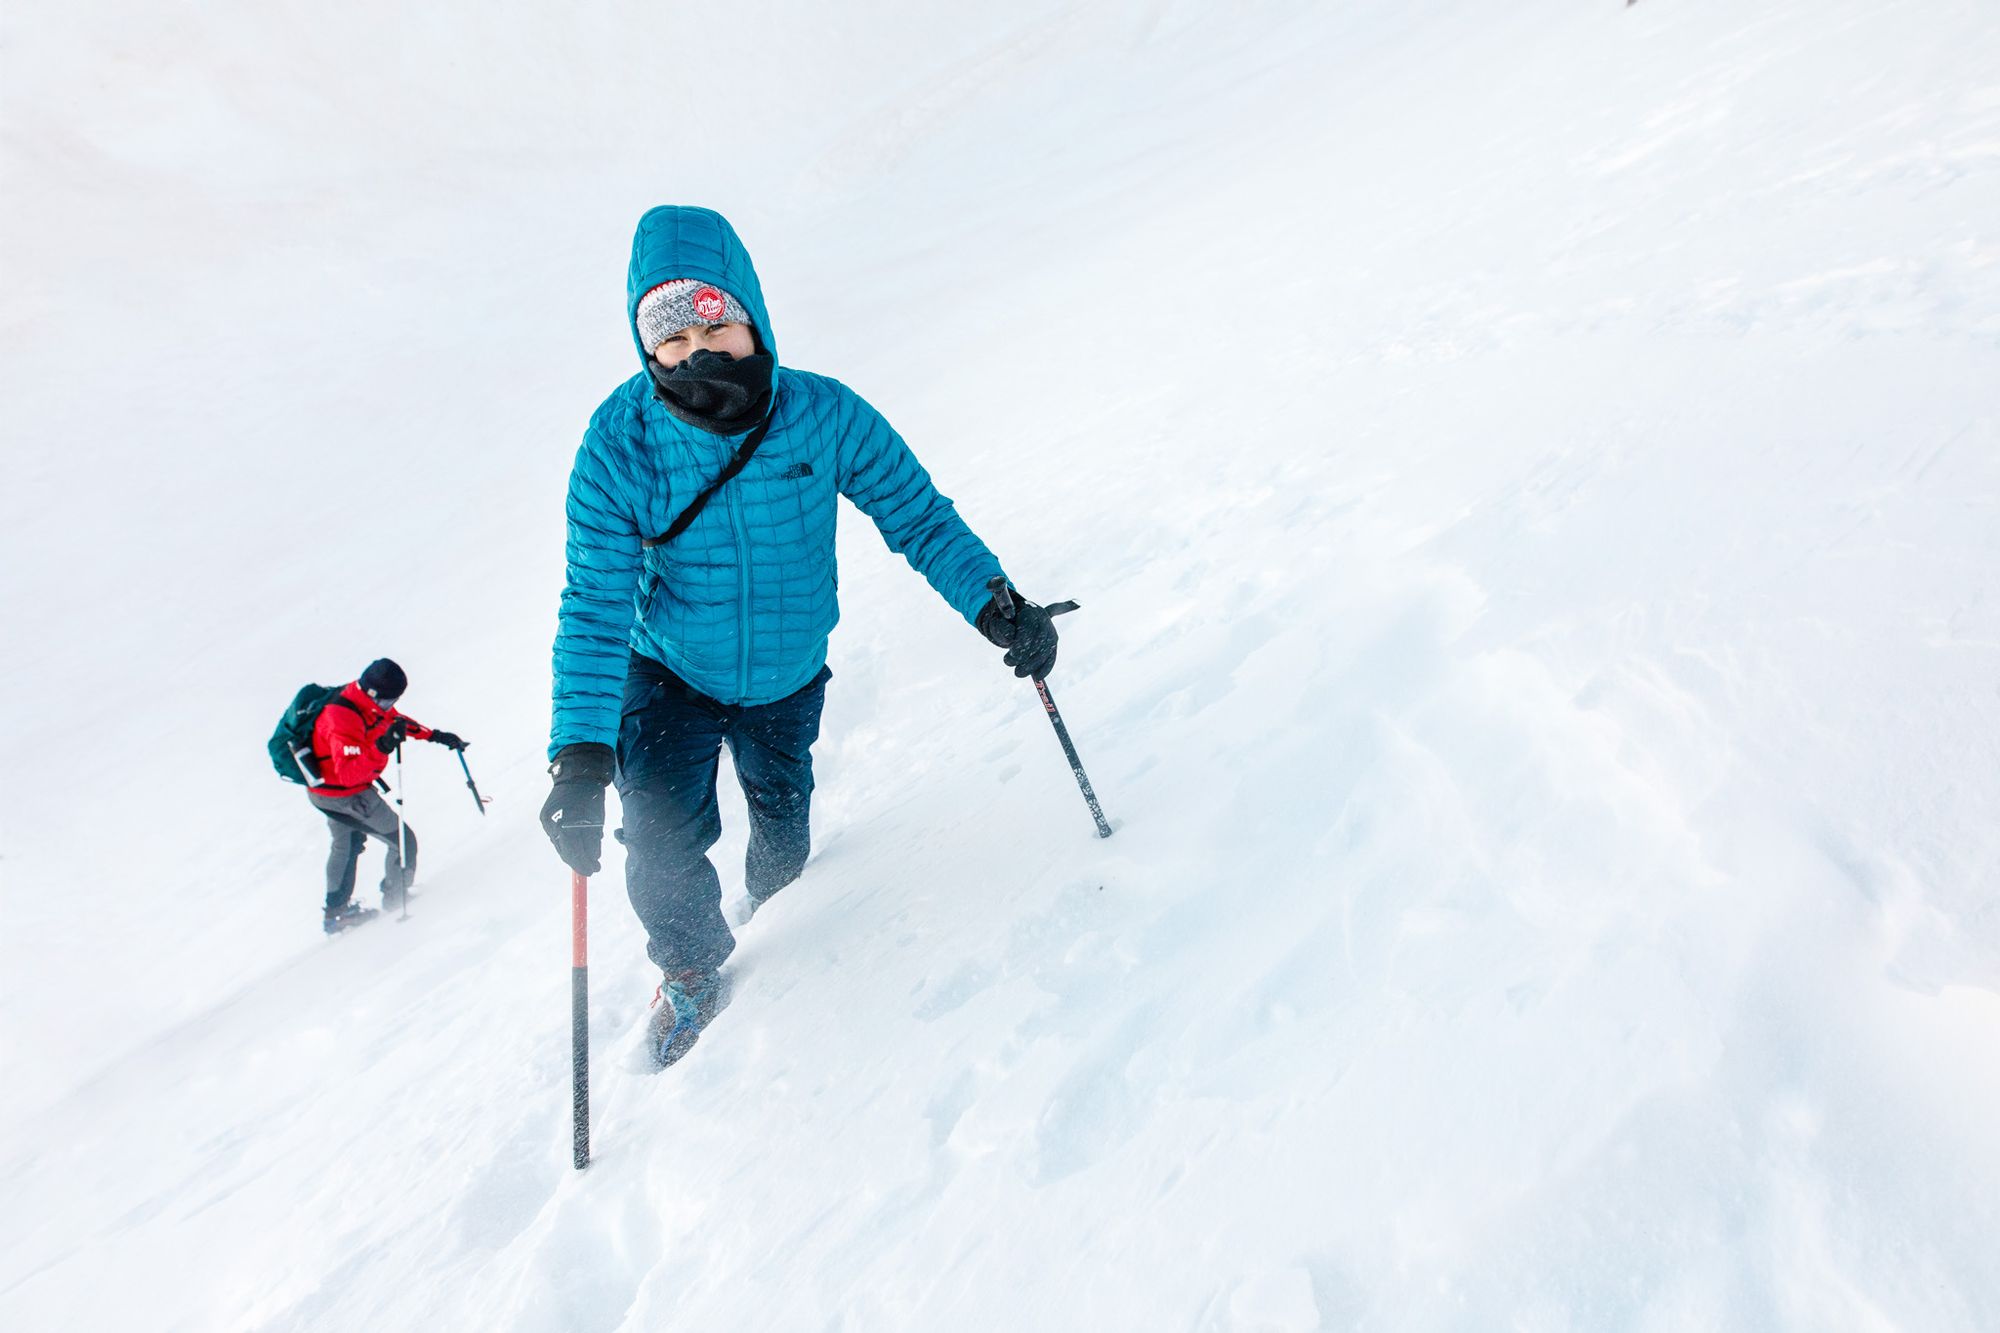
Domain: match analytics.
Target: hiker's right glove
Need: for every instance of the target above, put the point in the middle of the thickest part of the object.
(573, 816)
(1025, 630)
(390, 739)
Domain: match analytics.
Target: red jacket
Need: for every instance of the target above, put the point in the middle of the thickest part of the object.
(344, 741)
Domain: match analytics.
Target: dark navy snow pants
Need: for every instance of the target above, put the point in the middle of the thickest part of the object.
(668, 743)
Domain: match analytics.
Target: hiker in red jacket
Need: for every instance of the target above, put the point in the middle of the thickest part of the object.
(352, 740)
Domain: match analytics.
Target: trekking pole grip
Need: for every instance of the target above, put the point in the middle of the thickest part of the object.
(1002, 594)
(579, 1018)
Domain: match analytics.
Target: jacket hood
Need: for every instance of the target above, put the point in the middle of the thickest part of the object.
(675, 241)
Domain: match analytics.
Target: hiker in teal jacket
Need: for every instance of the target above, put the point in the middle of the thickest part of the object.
(701, 591)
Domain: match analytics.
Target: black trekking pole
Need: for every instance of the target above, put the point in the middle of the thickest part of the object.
(470, 783)
(1075, 764)
(998, 585)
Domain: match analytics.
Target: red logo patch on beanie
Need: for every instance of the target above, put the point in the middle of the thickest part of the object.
(709, 305)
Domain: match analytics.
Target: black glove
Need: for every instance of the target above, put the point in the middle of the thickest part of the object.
(1025, 630)
(390, 739)
(573, 816)
(447, 740)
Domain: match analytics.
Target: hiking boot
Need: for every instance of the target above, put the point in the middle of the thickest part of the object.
(336, 919)
(683, 1007)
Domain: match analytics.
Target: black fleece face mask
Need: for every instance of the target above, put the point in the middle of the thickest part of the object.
(714, 390)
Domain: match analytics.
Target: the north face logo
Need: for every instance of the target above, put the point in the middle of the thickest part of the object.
(709, 306)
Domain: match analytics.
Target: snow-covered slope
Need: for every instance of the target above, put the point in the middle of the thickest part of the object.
(1532, 474)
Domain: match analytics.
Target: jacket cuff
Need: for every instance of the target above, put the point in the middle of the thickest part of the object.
(977, 598)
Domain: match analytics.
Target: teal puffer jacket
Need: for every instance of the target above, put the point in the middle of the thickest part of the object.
(741, 603)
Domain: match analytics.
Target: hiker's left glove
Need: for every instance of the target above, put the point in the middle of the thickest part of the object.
(1025, 630)
(448, 740)
(390, 739)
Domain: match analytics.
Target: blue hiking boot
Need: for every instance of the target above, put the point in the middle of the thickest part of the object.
(686, 1003)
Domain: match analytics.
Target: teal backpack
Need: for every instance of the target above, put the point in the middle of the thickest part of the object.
(291, 744)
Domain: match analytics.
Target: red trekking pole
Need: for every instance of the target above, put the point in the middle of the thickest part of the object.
(579, 1018)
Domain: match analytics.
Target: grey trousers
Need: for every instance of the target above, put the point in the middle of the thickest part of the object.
(354, 820)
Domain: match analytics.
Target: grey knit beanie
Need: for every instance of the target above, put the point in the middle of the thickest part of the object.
(673, 306)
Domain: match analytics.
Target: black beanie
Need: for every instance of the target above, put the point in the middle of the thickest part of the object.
(384, 679)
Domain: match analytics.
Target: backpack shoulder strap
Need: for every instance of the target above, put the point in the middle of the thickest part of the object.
(336, 701)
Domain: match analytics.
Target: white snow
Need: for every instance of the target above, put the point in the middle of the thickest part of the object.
(1532, 476)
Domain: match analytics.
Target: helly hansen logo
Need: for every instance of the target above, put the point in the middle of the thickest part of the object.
(796, 470)
(350, 750)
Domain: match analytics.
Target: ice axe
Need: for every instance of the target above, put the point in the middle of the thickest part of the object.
(1004, 596)
(480, 800)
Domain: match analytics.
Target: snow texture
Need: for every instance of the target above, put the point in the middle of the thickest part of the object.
(1532, 477)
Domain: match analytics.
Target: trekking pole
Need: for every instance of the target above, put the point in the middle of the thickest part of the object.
(481, 800)
(1075, 764)
(998, 585)
(402, 837)
(579, 1018)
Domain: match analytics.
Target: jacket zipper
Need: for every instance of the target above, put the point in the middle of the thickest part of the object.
(742, 593)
